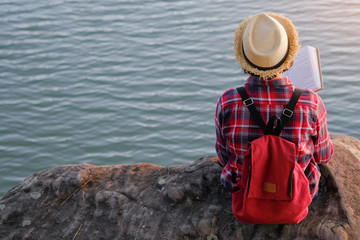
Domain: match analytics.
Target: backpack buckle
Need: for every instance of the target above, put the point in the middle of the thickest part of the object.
(248, 102)
(288, 113)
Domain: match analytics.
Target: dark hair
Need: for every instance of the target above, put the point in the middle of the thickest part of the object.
(258, 76)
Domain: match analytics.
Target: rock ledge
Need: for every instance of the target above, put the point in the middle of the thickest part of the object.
(145, 201)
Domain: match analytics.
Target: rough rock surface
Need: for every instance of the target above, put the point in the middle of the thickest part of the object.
(145, 201)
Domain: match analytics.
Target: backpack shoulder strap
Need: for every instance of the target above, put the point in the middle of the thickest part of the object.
(288, 111)
(249, 103)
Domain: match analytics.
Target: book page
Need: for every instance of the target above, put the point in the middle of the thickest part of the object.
(305, 72)
(315, 58)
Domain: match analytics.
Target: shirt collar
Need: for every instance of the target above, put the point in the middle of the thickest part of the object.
(257, 81)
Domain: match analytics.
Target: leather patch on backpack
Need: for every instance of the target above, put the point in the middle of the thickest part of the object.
(269, 187)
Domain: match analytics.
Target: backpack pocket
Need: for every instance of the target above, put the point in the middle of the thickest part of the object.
(273, 162)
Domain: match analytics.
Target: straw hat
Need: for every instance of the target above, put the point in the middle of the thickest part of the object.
(266, 44)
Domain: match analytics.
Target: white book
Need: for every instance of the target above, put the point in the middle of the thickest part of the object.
(306, 70)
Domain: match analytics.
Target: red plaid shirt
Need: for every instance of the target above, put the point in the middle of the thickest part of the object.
(235, 129)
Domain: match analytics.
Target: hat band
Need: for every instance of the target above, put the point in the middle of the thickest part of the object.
(266, 68)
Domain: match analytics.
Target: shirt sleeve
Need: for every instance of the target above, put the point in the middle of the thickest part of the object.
(220, 144)
(323, 145)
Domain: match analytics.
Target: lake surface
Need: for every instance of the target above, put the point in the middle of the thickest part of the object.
(120, 82)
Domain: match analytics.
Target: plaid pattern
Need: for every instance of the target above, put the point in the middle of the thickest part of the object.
(235, 129)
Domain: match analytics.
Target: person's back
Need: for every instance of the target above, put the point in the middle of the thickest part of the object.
(236, 129)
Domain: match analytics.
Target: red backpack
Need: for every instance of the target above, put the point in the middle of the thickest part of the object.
(273, 187)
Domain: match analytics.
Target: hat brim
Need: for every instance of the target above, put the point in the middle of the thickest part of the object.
(294, 47)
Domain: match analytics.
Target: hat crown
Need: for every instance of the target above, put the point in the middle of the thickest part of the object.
(265, 42)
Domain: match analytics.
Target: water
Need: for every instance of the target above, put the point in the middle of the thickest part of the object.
(118, 82)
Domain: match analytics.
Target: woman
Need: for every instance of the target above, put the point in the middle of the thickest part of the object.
(265, 46)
